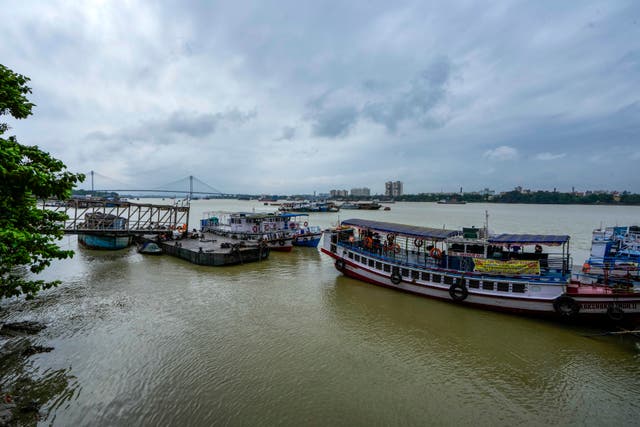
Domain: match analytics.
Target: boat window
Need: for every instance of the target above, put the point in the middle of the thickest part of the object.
(435, 278)
(425, 277)
(503, 287)
(415, 274)
(474, 283)
(350, 255)
(405, 272)
(378, 265)
(448, 280)
(357, 258)
(371, 263)
(387, 268)
(333, 248)
(487, 286)
(518, 287)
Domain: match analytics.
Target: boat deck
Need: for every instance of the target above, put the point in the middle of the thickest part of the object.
(212, 249)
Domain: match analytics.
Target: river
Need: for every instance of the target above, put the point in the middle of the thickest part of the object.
(142, 340)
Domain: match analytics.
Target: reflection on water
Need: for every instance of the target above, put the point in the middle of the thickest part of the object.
(156, 340)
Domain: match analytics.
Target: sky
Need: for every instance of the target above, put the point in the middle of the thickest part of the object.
(292, 97)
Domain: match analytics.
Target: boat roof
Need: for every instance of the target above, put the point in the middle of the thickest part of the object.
(529, 239)
(403, 229)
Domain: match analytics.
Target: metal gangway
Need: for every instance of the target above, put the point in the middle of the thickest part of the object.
(102, 216)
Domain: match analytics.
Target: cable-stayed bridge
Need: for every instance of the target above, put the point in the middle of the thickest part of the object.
(188, 186)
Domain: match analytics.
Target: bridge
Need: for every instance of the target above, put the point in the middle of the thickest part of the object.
(188, 186)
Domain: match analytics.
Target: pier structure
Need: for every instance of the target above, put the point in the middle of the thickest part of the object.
(97, 216)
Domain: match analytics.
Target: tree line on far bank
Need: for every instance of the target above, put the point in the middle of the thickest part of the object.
(533, 197)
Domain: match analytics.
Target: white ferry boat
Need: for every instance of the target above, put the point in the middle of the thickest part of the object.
(518, 273)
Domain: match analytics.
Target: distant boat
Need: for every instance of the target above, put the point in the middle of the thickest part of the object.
(451, 201)
(348, 205)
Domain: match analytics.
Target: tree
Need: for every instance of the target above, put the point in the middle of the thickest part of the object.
(28, 234)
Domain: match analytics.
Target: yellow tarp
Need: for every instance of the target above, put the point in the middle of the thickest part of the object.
(508, 267)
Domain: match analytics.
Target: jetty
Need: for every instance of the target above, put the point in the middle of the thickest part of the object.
(209, 249)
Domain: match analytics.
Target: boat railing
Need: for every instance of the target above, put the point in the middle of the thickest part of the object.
(455, 265)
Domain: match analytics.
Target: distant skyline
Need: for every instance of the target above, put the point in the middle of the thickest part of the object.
(294, 97)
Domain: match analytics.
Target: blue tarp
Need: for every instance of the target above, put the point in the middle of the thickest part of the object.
(403, 229)
(529, 239)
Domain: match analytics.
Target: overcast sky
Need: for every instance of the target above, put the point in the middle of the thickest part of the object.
(301, 96)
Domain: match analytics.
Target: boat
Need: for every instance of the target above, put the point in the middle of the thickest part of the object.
(307, 206)
(270, 228)
(615, 256)
(348, 205)
(104, 231)
(451, 201)
(302, 233)
(149, 248)
(519, 273)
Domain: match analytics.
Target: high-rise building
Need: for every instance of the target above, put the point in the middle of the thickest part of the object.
(393, 188)
(339, 193)
(361, 192)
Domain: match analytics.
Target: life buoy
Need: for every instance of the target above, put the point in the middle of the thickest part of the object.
(538, 249)
(418, 243)
(566, 306)
(340, 264)
(306, 224)
(255, 228)
(395, 278)
(292, 225)
(281, 242)
(458, 291)
(396, 248)
(391, 238)
(586, 267)
(435, 253)
(615, 313)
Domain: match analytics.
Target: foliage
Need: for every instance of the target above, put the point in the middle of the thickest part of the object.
(27, 232)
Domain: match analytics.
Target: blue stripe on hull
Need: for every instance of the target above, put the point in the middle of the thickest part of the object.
(312, 242)
(93, 241)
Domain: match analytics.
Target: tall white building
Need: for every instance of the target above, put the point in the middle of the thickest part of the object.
(393, 188)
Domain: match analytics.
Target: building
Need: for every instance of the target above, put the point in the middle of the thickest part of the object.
(339, 193)
(393, 188)
(360, 192)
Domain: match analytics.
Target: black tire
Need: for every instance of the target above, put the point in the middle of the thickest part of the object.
(458, 291)
(281, 242)
(615, 313)
(566, 306)
(395, 278)
(340, 264)
(418, 243)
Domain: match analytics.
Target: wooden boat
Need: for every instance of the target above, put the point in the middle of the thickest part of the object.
(470, 267)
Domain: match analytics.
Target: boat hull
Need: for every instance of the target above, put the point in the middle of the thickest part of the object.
(590, 305)
(309, 241)
(104, 242)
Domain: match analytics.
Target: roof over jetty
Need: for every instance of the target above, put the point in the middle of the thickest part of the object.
(529, 239)
(403, 229)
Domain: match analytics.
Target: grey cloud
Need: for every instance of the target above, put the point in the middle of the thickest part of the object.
(425, 93)
(288, 133)
(334, 122)
(178, 123)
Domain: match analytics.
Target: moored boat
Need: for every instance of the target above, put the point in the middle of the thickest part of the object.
(614, 257)
(149, 248)
(302, 233)
(269, 228)
(518, 273)
(104, 232)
